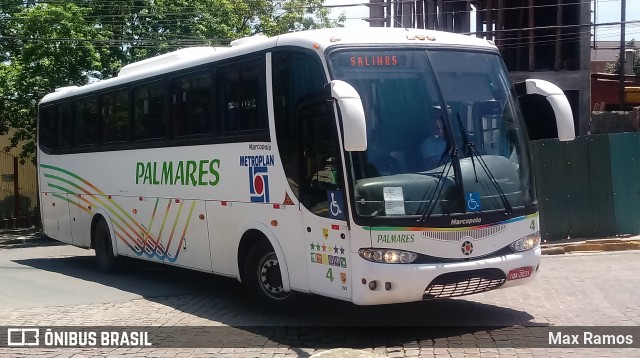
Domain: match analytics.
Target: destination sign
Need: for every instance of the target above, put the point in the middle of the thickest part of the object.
(366, 61)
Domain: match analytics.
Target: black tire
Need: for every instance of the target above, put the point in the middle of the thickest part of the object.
(105, 258)
(263, 278)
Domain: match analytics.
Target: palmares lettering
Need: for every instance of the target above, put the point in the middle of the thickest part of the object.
(395, 239)
(183, 172)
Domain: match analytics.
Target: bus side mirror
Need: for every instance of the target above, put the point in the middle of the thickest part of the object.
(354, 126)
(546, 110)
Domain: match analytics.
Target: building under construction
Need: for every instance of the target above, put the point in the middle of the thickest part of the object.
(545, 39)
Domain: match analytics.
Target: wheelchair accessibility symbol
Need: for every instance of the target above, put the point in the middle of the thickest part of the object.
(336, 204)
(473, 201)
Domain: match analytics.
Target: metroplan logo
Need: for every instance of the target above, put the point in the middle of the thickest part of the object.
(259, 184)
(258, 166)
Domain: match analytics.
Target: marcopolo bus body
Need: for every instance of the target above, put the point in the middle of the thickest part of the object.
(382, 166)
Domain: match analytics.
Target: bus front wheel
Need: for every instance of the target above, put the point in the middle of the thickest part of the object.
(263, 277)
(105, 258)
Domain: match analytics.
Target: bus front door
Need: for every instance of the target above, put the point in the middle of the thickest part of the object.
(323, 203)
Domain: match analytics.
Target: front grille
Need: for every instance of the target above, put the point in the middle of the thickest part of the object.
(426, 259)
(476, 234)
(454, 284)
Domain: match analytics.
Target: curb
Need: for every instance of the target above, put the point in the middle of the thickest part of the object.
(595, 245)
(346, 353)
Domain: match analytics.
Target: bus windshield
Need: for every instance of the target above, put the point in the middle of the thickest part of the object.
(445, 133)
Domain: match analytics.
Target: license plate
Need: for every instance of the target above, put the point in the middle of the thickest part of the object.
(521, 272)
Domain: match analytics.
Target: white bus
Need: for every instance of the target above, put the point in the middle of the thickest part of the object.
(374, 166)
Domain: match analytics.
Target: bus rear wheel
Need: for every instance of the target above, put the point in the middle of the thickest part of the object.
(105, 258)
(263, 277)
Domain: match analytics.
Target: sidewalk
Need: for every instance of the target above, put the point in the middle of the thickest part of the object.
(620, 243)
(29, 237)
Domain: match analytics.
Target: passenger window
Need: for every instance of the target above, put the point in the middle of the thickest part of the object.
(192, 104)
(149, 111)
(242, 104)
(114, 111)
(296, 75)
(86, 121)
(48, 126)
(201, 117)
(65, 126)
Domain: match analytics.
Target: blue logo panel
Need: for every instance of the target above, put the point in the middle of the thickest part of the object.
(473, 201)
(335, 199)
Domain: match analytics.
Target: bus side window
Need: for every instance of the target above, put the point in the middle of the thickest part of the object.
(242, 105)
(320, 157)
(48, 125)
(192, 104)
(85, 121)
(296, 75)
(65, 126)
(149, 111)
(114, 112)
(180, 96)
(201, 114)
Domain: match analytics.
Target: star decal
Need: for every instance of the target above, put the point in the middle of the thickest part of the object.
(324, 247)
(312, 246)
(317, 247)
(341, 250)
(335, 249)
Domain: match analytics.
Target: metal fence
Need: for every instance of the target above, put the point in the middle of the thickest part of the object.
(18, 193)
(589, 187)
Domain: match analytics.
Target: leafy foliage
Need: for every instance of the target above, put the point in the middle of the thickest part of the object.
(614, 67)
(44, 46)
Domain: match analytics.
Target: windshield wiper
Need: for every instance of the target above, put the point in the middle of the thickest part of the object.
(437, 191)
(473, 150)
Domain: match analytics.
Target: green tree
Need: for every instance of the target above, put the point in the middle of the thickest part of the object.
(614, 67)
(39, 58)
(46, 45)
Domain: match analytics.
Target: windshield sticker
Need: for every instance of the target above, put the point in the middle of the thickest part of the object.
(473, 201)
(336, 204)
(393, 200)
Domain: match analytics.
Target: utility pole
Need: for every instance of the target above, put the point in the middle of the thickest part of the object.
(623, 18)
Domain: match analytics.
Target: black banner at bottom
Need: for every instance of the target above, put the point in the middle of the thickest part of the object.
(320, 336)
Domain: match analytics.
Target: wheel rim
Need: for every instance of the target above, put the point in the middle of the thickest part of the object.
(270, 278)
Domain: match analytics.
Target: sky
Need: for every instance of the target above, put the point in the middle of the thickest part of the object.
(607, 11)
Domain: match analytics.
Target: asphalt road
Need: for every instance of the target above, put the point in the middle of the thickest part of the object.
(60, 286)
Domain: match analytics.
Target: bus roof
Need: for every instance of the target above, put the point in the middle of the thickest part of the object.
(319, 40)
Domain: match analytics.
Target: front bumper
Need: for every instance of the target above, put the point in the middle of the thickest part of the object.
(397, 283)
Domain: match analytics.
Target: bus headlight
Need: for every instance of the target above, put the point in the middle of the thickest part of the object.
(526, 243)
(388, 256)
